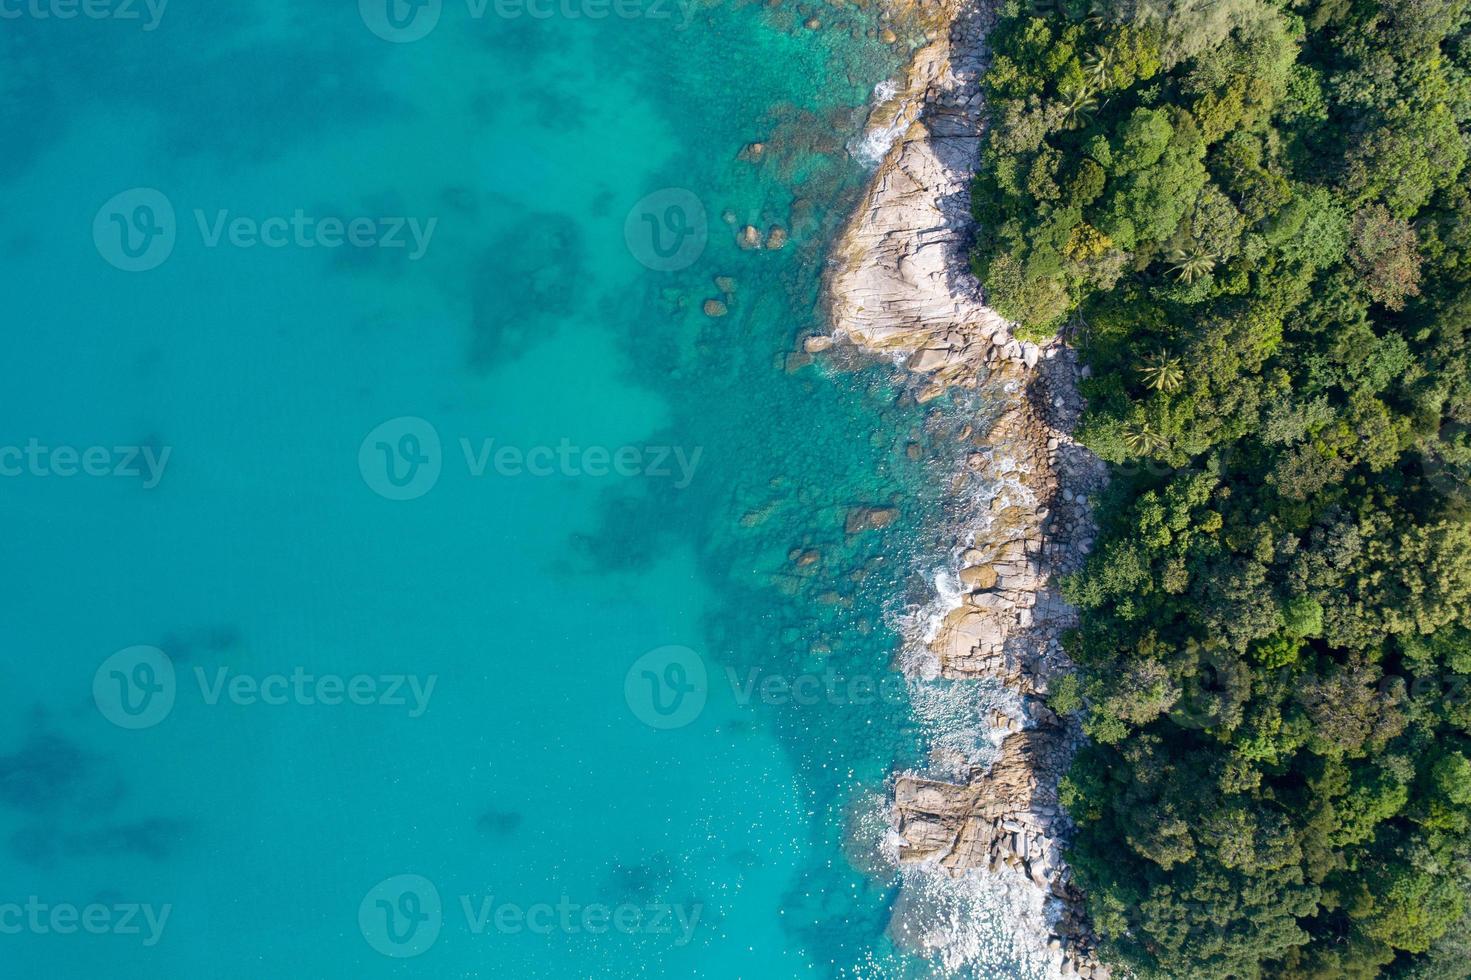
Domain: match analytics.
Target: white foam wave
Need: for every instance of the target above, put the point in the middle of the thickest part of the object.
(979, 924)
(871, 148)
(965, 723)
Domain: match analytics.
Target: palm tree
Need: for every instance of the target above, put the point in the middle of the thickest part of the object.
(1189, 266)
(1092, 15)
(1099, 62)
(1142, 439)
(1162, 372)
(1078, 106)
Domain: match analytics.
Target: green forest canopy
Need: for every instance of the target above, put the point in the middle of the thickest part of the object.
(1254, 218)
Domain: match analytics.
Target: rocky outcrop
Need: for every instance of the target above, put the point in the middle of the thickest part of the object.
(1006, 821)
(1038, 525)
(900, 285)
(900, 279)
(1007, 626)
(991, 821)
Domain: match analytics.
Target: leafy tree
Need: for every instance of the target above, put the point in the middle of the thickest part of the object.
(1260, 209)
(1384, 254)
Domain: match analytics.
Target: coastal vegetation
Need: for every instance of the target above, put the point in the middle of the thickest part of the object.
(1254, 219)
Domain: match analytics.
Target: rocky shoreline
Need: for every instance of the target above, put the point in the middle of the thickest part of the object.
(900, 285)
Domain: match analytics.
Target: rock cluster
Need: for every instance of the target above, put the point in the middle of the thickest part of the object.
(1008, 627)
(993, 820)
(900, 279)
(900, 284)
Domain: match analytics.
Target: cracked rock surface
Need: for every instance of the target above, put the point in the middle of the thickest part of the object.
(900, 284)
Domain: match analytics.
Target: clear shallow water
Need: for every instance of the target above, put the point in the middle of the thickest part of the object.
(534, 775)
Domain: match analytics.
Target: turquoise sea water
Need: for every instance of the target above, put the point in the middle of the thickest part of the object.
(248, 389)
